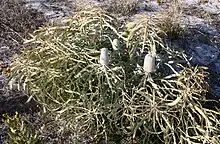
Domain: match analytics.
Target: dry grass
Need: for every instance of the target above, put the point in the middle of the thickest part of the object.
(170, 22)
(121, 7)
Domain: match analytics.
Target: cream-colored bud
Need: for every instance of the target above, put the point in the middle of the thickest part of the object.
(104, 57)
(115, 44)
(149, 63)
(12, 84)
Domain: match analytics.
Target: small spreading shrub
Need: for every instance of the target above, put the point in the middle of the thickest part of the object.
(117, 103)
(20, 131)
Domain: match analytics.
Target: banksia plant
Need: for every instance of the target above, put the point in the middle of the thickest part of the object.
(66, 58)
(161, 108)
(64, 73)
(143, 33)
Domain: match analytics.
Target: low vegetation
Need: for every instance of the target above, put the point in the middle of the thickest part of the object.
(20, 131)
(118, 103)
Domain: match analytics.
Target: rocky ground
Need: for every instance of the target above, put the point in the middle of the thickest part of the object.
(201, 42)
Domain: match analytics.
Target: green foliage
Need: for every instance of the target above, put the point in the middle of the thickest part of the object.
(20, 131)
(117, 103)
(143, 33)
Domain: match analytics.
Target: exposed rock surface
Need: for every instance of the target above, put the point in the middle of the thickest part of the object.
(55, 12)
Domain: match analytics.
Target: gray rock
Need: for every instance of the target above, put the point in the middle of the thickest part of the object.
(200, 24)
(150, 6)
(215, 90)
(209, 30)
(192, 21)
(54, 12)
(215, 67)
(191, 2)
(203, 54)
(34, 5)
(199, 47)
(210, 8)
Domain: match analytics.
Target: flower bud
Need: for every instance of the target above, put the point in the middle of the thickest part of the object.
(104, 57)
(115, 44)
(149, 64)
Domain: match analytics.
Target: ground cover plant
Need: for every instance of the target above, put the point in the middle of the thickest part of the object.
(118, 102)
(20, 131)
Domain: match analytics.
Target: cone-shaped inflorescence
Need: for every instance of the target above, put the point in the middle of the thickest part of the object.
(104, 57)
(149, 64)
